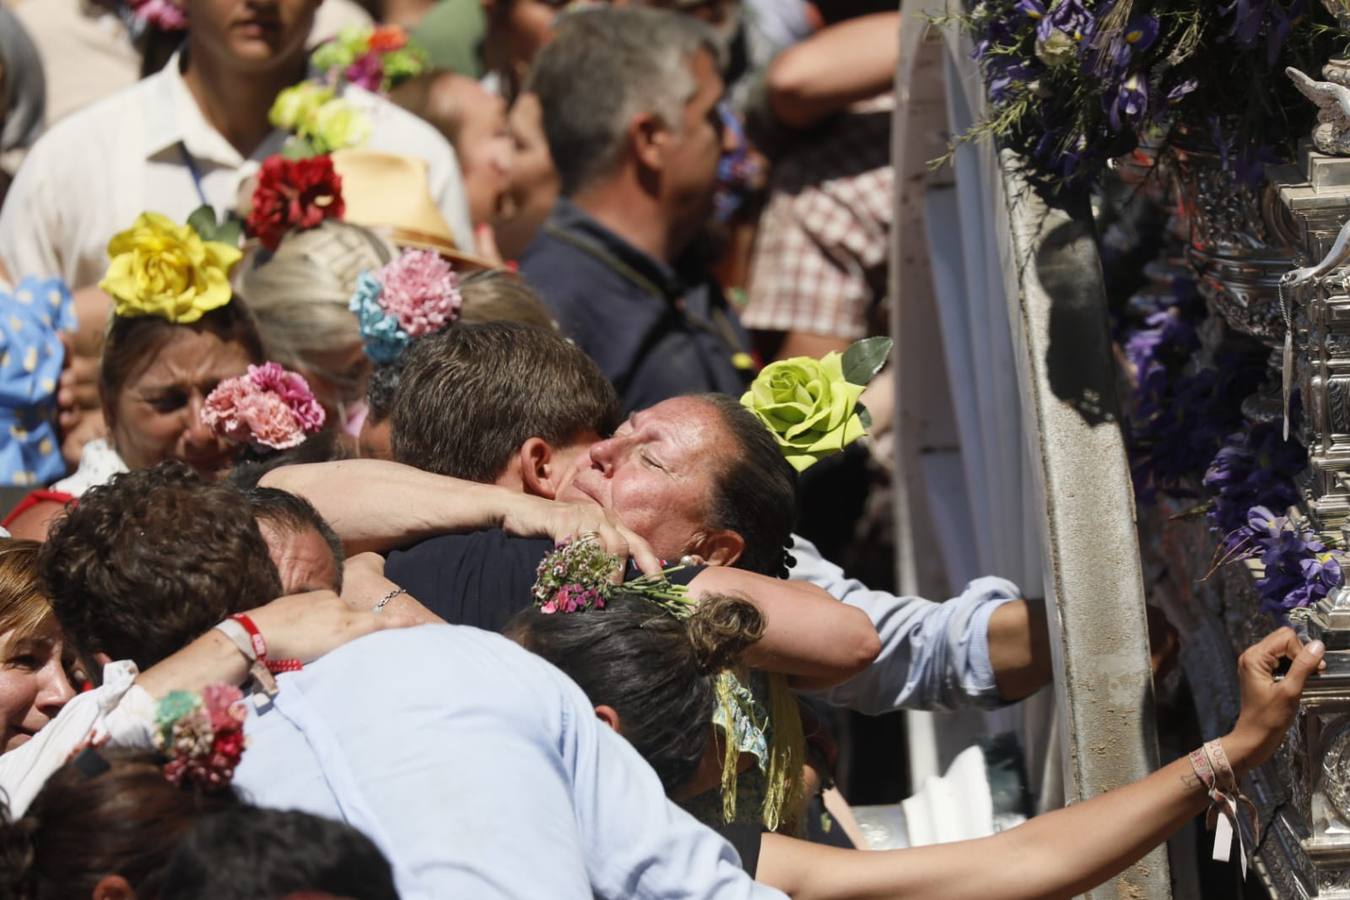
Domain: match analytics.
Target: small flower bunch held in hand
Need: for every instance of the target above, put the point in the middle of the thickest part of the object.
(267, 407)
(414, 295)
(161, 268)
(321, 121)
(578, 575)
(201, 734)
(165, 15)
(376, 58)
(811, 405)
(293, 195)
(1298, 568)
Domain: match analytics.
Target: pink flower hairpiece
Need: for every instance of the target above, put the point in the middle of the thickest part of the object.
(269, 407)
(415, 295)
(201, 734)
(166, 15)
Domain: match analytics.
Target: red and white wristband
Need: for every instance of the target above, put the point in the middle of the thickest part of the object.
(244, 634)
(1228, 807)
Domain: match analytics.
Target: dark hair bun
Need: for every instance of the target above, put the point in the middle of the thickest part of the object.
(721, 629)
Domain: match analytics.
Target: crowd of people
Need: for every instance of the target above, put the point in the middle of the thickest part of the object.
(413, 403)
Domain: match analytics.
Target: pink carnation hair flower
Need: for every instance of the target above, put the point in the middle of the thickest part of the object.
(421, 291)
(293, 389)
(269, 406)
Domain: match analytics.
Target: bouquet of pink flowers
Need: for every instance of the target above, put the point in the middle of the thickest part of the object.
(268, 407)
(578, 575)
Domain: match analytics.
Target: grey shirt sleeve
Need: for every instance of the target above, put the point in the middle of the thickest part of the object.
(934, 656)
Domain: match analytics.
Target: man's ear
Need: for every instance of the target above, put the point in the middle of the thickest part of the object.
(609, 715)
(113, 887)
(647, 136)
(717, 548)
(539, 468)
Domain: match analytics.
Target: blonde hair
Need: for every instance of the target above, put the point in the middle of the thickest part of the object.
(299, 294)
(24, 607)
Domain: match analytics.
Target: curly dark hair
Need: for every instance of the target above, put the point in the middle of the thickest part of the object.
(149, 561)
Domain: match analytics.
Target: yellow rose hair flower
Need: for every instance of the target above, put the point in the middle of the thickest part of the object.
(161, 268)
(811, 405)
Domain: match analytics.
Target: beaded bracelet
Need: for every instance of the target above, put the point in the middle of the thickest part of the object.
(246, 636)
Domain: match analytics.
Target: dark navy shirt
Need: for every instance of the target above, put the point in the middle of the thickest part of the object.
(482, 578)
(654, 334)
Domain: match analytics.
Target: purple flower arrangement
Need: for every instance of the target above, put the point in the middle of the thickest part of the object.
(1073, 84)
(1255, 468)
(1179, 414)
(1297, 568)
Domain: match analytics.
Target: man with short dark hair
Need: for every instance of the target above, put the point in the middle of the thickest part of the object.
(568, 404)
(152, 559)
(638, 165)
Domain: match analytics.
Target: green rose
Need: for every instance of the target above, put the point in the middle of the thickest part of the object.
(808, 405)
(336, 125)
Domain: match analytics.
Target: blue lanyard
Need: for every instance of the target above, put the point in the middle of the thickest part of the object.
(194, 172)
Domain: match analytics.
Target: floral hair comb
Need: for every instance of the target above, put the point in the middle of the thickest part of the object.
(414, 295)
(320, 120)
(201, 734)
(376, 58)
(268, 407)
(811, 405)
(160, 268)
(293, 195)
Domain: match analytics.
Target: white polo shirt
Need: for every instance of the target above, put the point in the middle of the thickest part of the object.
(96, 170)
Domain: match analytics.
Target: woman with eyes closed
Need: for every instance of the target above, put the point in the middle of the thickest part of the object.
(154, 378)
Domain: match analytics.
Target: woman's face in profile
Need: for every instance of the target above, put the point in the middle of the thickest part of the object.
(158, 413)
(33, 684)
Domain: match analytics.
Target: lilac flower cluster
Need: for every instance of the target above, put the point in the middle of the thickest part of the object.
(1179, 416)
(1298, 568)
(1255, 468)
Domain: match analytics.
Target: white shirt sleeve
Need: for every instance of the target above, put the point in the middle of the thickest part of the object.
(92, 715)
(29, 232)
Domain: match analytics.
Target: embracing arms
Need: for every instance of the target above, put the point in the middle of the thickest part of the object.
(378, 505)
(808, 634)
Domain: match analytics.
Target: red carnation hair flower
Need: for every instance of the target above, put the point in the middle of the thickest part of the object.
(293, 194)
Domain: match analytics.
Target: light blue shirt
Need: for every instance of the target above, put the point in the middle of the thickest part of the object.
(933, 655)
(481, 772)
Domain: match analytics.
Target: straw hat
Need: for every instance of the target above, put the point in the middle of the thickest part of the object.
(390, 195)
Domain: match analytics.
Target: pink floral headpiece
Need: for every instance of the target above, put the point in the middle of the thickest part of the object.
(415, 295)
(166, 15)
(201, 734)
(268, 407)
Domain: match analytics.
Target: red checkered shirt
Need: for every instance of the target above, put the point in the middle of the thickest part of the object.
(819, 264)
